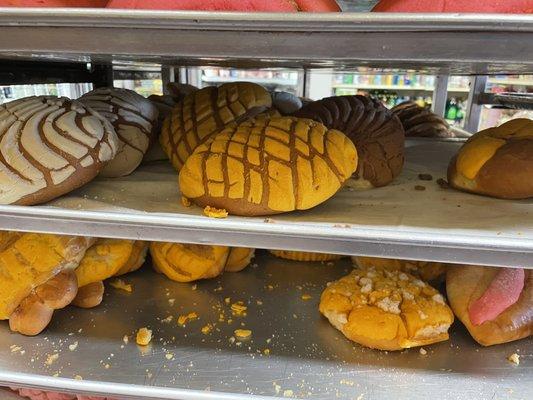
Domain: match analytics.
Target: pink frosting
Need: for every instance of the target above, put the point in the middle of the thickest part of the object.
(502, 293)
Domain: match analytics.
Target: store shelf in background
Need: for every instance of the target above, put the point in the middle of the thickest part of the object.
(446, 43)
(307, 355)
(396, 88)
(260, 81)
(395, 221)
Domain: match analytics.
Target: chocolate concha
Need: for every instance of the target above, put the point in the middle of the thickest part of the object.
(134, 119)
(269, 166)
(206, 112)
(376, 132)
(420, 122)
(50, 146)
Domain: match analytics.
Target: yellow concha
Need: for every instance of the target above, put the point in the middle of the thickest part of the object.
(103, 260)
(239, 258)
(188, 262)
(28, 260)
(305, 256)
(206, 112)
(269, 166)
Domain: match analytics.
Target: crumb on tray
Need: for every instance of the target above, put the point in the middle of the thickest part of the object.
(144, 336)
(121, 285)
(213, 212)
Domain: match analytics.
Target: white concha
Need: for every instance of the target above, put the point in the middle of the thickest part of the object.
(133, 118)
(50, 146)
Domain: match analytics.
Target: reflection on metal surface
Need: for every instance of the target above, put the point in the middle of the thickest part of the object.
(306, 355)
(397, 220)
(451, 43)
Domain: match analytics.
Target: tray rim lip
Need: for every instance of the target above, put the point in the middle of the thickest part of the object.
(265, 22)
(133, 391)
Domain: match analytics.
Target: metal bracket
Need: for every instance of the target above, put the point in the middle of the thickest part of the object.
(473, 112)
(440, 94)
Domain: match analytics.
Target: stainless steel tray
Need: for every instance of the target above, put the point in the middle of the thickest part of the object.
(307, 355)
(441, 43)
(395, 221)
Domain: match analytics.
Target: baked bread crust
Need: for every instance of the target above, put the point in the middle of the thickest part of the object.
(496, 162)
(268, 166)
(134, 119)
(50, 146)
(425, 270)
(467, 283)
(28, 260)
(386, 310)
(420, 122)
(305, 256)
(191, 262)
(376, 132)
(205, 112)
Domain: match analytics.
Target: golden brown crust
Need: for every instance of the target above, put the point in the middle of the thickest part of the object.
(467, 283)
(268, 166)
(305, 256)
(89, 296)
(239, 258)
(136, 259)
(206, 112)
(387, 310)
(376, 132)
(34, 313)
(188, 262)
(499, 162)
(28, 260)
(425, 270)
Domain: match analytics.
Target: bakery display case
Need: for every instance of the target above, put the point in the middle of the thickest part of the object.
(258, 334)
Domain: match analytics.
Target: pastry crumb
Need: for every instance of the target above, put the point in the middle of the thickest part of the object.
(183, 319)
(266, 352)
(185, 201)
(169, 356)
(242, 333)
(514, 358)
(425, 177)
(422, 351)
(125, 339)
(306, 297)
(288, 393)
(121, 285)
(213, 212)
(207, 329)
(78, 377)
(51, 359)
(144, 336)
(420, 187)
(238, 308)
(73, 346)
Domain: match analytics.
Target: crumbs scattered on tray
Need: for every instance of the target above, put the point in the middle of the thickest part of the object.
(121, 285)
(443, 183)
(213, 212)
(514, 358)
(420, 188)
(425, 177)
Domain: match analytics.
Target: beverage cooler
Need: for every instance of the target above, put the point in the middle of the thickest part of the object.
(165, 331)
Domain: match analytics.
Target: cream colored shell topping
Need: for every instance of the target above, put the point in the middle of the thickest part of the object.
(133, 118)
(44, 142)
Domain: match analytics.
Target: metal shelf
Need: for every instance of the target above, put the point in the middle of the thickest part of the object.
(445, 43)
(307, 355)
(395, 221)
(397, 88)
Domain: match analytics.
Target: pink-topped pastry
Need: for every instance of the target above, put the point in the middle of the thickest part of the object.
(42, 395)
(495, 304)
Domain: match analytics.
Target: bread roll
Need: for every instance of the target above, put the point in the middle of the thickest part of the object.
(386, 310)
(206, 112)
(50, 146)
(420, 122)
(134, 119)
(269, 166)
(425, 270)
(191, 262)
(495, 304)
(496, 162)
(28, 260)
(376, 132)
(305, 256)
